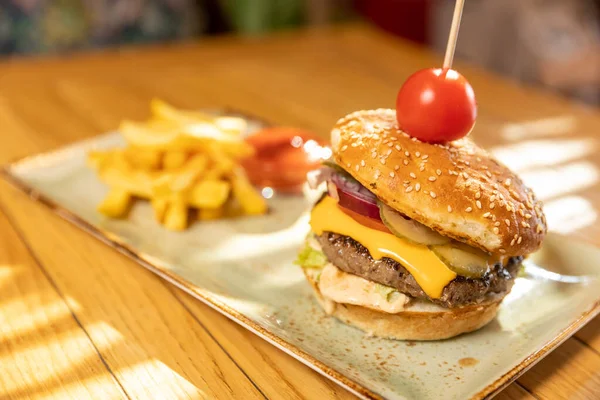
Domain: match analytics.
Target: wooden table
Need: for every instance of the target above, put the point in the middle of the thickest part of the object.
(78, 320)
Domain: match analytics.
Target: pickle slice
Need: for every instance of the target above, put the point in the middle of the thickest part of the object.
(409, 229)
(463, 259)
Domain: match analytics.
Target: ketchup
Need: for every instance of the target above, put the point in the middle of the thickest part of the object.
(283, 158)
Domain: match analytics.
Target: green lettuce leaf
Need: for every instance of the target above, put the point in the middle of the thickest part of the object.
(311, 258)
(386, 291)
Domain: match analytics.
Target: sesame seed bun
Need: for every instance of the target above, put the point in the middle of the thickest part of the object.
(457, 188)
(420, 321)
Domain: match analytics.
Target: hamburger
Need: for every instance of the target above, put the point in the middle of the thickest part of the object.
(414, 240)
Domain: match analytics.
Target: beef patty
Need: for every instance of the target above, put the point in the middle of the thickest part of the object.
(352, 257)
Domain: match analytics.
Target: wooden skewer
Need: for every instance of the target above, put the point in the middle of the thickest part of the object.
(458, 9)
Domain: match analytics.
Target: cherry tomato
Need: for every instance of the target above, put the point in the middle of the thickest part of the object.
(283, 157)
(436, 105)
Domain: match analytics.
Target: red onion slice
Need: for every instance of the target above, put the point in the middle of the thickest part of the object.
(353, 196)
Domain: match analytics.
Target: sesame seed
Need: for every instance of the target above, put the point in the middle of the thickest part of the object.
(432, 178)
(432, 194)
(356, 167)
(405, 162)
(507, 222)
(528, 216)
(496, 230)
(398, 147)
(520, 239)
(488, 174)
(507, 182)
(354, 144)
(393, 139)
(412, 175)
(493, 198)
(409, 189)
(344, 147)
(377, 173)
(438, 172)
(418, 154)
(502, 251)
(492, 205)
(382, 161)
(512, 242)
(487, 214)
(362, 163)
(478, 159)
(469, 209)
(497, 223)
(449, 209)
(422, 168)
(396, 167)
(465, 175)
(406, 153)
(373, 155)
(524, 224)
(418, 187)
(478, 195)
(392, 174)
(388, 152)
(348, 165)
(425, 157)
(390, 144)
(539, 229)
(478, 204)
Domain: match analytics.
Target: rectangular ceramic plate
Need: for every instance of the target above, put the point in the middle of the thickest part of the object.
(244, 269)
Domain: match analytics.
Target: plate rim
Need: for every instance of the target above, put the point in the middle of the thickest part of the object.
(307, 359)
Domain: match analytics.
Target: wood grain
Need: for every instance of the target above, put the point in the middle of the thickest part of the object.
(43, 349)
(274, 371)
(156, 340)
(139, 328)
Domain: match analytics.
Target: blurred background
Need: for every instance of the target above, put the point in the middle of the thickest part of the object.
(550, 43)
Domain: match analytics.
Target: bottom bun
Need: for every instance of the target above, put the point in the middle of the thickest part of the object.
(431, 322)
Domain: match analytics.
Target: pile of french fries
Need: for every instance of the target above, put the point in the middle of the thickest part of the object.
(185, 163)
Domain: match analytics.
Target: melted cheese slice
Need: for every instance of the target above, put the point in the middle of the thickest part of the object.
(427, 269)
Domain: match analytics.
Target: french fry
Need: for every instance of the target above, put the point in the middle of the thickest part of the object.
(164, 111)
(174, 159)
(138, 183)
(229, 125)
(116, 203)
(179, 160)
(176, 216)
(143, 158)
(232, 208)
(181, 179)
(251, 202)
(209, 194)
(209, 214)
(159, 206)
